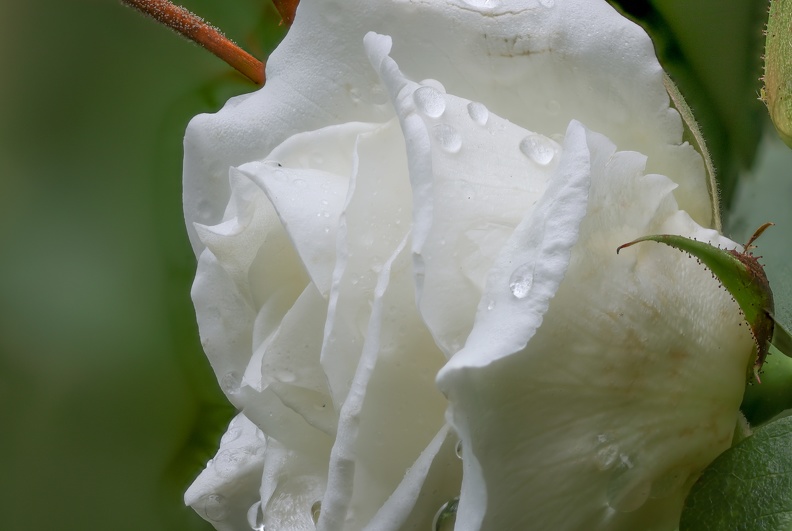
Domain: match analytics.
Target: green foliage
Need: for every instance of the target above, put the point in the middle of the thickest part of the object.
(747, 488)
(711, 49)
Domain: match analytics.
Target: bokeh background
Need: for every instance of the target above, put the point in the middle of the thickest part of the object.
(108, 408)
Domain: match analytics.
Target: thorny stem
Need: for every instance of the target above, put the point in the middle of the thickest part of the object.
(198, 30)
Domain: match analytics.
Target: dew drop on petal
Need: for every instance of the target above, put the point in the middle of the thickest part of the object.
(435, 84)
(483, 3)
(429, 101)
(458, 449)
(448, 138)
(231, 435)
(605, 458)
(285, 376)
(627, 489)
(230, 382)
(445, 518)
(538, 149)
(553, 107)
(228, 462)
(478, 112)
(521, 280)
(490, 305)
(626, 497)
(255, 517)
(316, 510)
(213, 506)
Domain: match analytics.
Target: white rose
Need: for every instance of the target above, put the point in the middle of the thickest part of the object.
(359, 233)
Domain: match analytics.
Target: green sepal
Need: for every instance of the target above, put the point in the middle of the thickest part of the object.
(743, 276)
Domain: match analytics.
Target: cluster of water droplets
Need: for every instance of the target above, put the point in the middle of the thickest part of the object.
(430, 101)
(629, 486)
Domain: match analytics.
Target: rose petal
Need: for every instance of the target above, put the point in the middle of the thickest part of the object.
(375, 220)
(222, 493)
(542, 64)
(306, 179)
(618, 404)
(472, 184)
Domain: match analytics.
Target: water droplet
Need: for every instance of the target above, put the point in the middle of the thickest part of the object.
(255, 517)
(553, 107)
(445, 518)
(213, 506)
(547, 3)
(538, 149)
(230, 382)
(429, 101)
(458, 449)
(354, 94)
(606, 457)
(627, 493)
(378, 95)
(228, 462)
(490, 304)
(204, 210)
(273, 164)
(316, 510)
(625, 461)
(668, 483)
(435, 84)
(478, 112)
(231, 435)
(483, 3)
(521, 280)
(285, 376)
(448, 138)
(300, 183)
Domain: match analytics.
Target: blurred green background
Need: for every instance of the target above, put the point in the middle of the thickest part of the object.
(108, 405)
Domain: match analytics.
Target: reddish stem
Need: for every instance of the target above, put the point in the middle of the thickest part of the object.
(198, 30)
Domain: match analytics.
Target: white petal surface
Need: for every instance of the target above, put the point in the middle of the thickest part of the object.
(541, 64)
(627, 390)
(228, 486)
(356, 227)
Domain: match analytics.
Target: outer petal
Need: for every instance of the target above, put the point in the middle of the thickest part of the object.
(539, 63)
(619, 408)
(228, 486)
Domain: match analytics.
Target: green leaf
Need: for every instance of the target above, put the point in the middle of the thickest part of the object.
(748, 487)
(741, 274)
